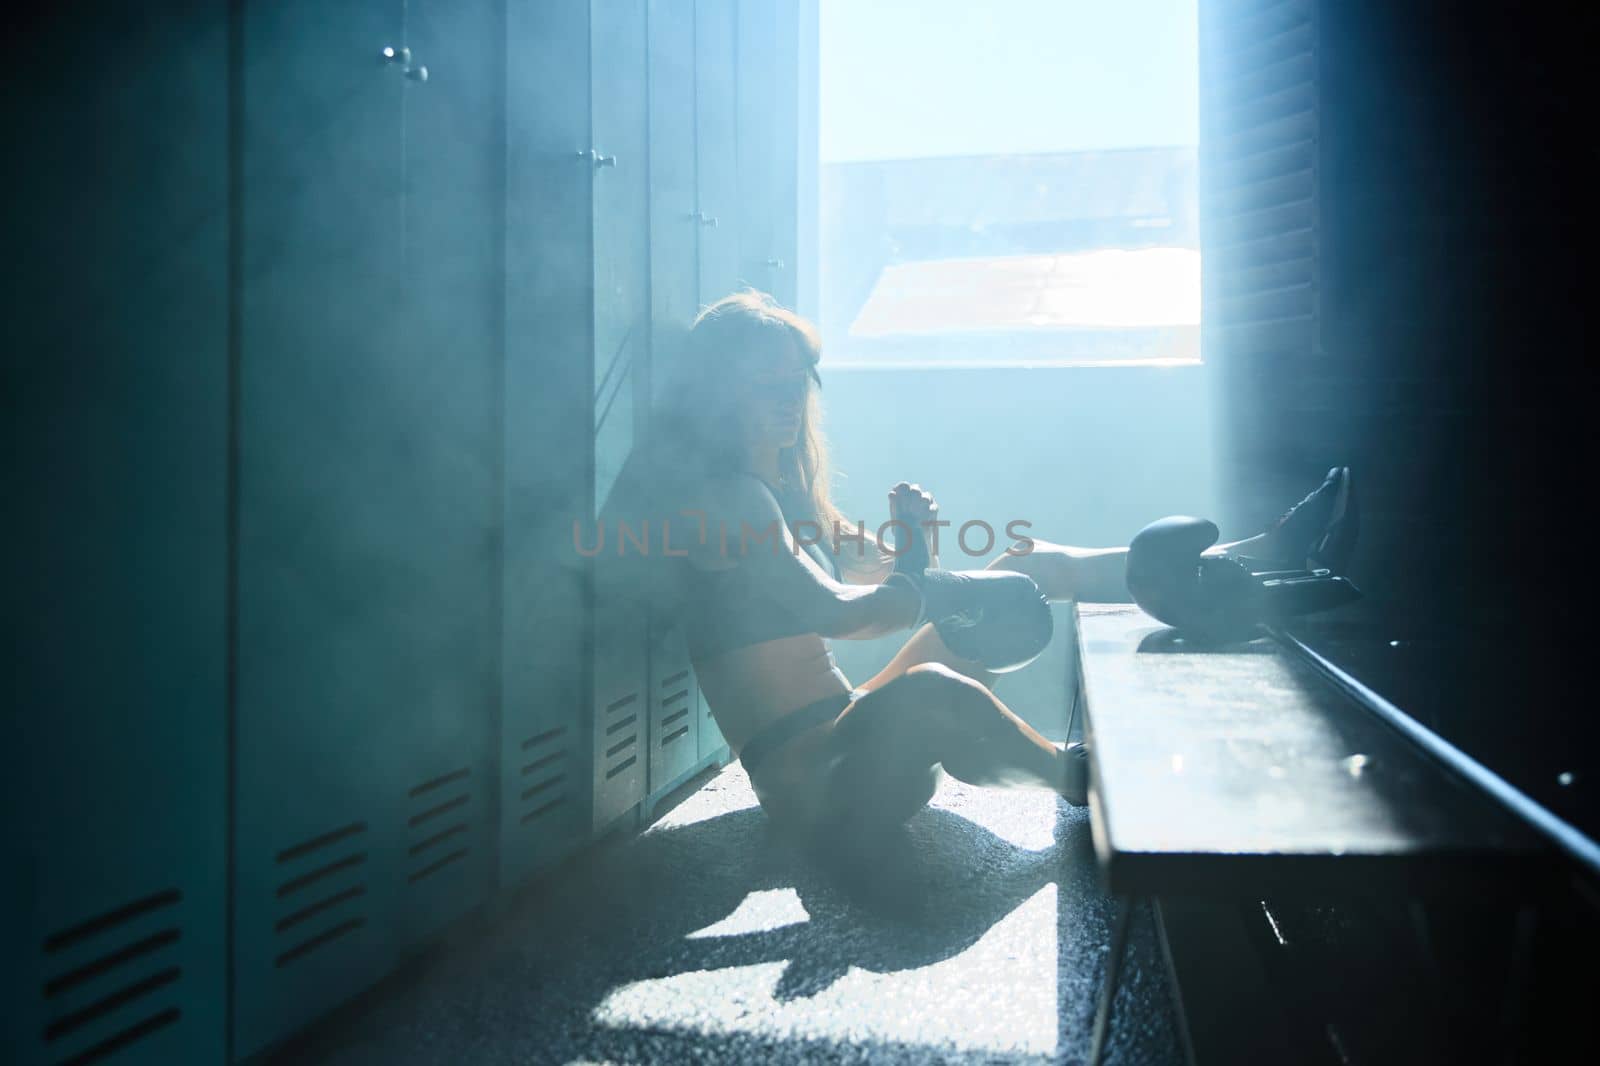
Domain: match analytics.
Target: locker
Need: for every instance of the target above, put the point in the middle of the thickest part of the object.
(677, 226)
(676, 220)
(674, 711)
(545, 746)
(719, 212)
(712, 746)
(619, 118)
(621, 164)
(116, 403)
(577, 342)
(621, 709)
(368, 504)
(766, 117)
(453, 196)
(716, 150)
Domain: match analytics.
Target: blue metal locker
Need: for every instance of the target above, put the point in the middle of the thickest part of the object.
(368, 509)
(321, 254)
(117, 406)
(621, 710)
(716, 149)
(767, 114)
(717, 196)
(674, 695)
(545, 746)
(675, 226)
(453, 192)
(619, 124)
(619, 121)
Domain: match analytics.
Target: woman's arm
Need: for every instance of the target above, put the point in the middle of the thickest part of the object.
(745, 527)
(860, 562)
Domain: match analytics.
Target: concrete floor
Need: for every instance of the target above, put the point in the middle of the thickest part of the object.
(979, 936)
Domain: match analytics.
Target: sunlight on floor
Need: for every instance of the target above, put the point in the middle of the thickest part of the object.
(998, 996)
(760, 911)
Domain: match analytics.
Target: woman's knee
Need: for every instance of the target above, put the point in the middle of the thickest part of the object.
(938, 690)
(936, 680)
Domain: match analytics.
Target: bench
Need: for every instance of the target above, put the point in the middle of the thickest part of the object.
(1245, 772)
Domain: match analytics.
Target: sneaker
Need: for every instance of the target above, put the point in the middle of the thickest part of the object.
(1304, 528)
(1076, 791)
(1338, 541)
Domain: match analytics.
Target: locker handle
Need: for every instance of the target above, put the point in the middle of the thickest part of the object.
(705, 219)
(402, 56)
(775, 264)
(597, 159)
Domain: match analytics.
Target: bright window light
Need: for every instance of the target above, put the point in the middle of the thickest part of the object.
(1009, 182)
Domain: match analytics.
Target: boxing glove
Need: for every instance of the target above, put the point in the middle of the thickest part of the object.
(996, 618)
(1219, 597)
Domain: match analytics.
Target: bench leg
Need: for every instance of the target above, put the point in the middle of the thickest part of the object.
(1108, 986)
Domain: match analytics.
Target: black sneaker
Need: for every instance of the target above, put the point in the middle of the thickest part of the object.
(1338, 541)
(1076, 788)
(1304, 529)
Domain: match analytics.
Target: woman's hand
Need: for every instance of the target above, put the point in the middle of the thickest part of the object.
(917, 509)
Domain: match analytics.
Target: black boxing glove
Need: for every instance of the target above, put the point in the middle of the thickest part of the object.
(1219, 596)
(996, 618)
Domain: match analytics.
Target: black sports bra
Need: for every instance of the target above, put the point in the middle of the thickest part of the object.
(728, 609)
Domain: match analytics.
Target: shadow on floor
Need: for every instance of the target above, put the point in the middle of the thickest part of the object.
(710, 939)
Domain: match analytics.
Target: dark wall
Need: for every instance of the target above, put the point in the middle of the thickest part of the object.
(1457, 227)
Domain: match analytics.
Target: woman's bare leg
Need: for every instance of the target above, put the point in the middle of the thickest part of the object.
(887, 747)
(1098, 575)
(1062, 572)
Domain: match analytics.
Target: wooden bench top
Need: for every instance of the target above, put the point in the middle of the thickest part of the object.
(1242, 771)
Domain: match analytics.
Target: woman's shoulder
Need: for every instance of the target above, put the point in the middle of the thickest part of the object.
(733, 495)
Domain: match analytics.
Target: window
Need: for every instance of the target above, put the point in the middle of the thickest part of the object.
(1009, 183)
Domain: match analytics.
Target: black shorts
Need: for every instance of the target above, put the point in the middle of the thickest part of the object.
(761, 746)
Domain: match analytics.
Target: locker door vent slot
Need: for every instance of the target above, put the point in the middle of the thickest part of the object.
(540, 763)
(295, 884)
(438, 809)
(622, 745)
(438, 838)
(327, 936)
(681, 694)
(543, 809)
(330, 898)
(439, 782)
(104, 969)
(311, 910)
(616, 705)
(121, 997)
(617, 769)
(677, 678)
(681, 712)
(676, 734)
(621, 724)
(126, 913)
(438, 864)
(317, 843)
(543, 738)
(118, 1041)
(549, 793)
(429, 836)
(544, 786)
(57, 985)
